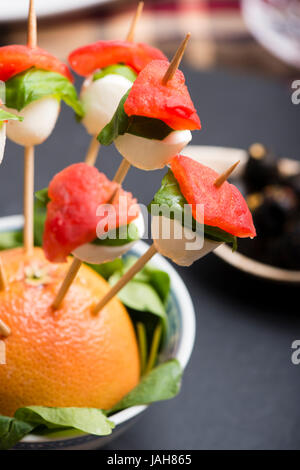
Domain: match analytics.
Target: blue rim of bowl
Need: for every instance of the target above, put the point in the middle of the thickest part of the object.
(184, 348)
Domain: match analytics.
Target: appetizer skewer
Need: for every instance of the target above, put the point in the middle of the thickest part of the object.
(35, 83)
(80, 220)
(154, 119)
(226, 216)
(110, 67)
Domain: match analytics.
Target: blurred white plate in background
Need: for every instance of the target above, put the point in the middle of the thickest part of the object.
(13, 10)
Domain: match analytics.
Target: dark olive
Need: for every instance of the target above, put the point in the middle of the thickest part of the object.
(272, 208)
(285, 251)
(261, 168)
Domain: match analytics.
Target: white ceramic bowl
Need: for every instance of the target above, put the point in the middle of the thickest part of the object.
(179, 344)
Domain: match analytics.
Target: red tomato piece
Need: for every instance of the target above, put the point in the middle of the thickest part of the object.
(87, 59)
(75, 195)
(224, 207)
(170, 103)
(15, 59)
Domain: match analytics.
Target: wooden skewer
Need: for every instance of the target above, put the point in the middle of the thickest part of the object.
(224, 176)
(125, 279)
(176, 60)
(135, 19)
(71, 274)
(32, 29)
(122, 171)
(91, 156)
(3, 281)
(28, 198)
(4, 329)
(29, 151)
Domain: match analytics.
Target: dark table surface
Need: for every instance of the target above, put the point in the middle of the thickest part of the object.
(240, 389)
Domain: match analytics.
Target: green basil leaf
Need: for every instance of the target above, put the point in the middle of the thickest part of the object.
(158, 279)
(34, 84)
(10, 240)
(39, 225)
(6, 116)
(14, 238)
(12, 430)
(148, 291)
(162, 383)
(141, 126)
(116, 69)
(169, 195)
(140, 296)
(119, 237)
(107, 269)
(42, 198)
(149, 128)
(88, 420)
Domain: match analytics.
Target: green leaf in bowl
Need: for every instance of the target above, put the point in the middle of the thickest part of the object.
(12, 431)
(88, 420)
(162, 383)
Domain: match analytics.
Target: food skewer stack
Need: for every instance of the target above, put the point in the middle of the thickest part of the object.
(125, 165)
(32, 121)
(94, 147)
(150, 119)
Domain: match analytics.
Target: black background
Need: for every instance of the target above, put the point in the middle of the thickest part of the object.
(240, 389)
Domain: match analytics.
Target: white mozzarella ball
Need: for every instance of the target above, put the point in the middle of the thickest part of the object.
(39, 120)
(97, 254)
(180, 244)
(100, 100)
(2, 139)
(151, 154)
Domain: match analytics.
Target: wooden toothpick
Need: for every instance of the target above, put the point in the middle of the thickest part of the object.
(91, 156)
(32, 27)
(135, 19)
(70, 276)
(122, 171)
(176, 60)
(4, 329)
(29, 151)
(125, 279)
(28, 198)
(224, 176)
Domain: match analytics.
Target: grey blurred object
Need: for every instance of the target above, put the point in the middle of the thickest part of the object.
(15, 10)
(276, 25)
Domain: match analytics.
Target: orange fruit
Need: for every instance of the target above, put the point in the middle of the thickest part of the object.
(66, 357)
